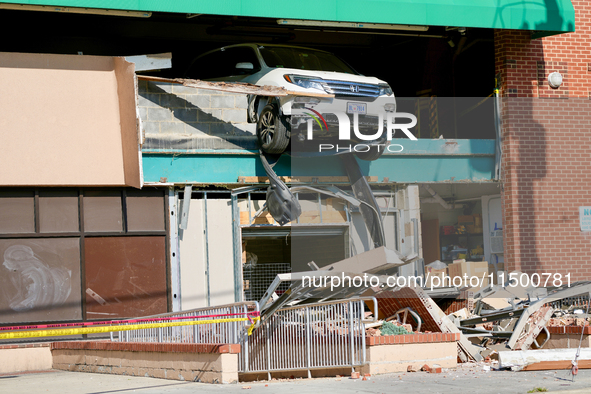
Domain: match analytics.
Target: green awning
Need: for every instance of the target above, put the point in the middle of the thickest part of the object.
(550, 16)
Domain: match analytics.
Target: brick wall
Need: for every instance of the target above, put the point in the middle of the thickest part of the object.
(546, 140)
(178, 117)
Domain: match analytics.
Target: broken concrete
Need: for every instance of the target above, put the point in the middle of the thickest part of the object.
(543, 359)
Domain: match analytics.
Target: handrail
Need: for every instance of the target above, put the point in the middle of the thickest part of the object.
(371, 298)
(203, 309)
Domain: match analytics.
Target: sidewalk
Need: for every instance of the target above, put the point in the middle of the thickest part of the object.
(461, 380)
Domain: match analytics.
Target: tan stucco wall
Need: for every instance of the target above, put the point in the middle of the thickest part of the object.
(397, 358)
(25, 359)
(198, 367)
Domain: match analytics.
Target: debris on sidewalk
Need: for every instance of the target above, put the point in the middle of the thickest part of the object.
(544, 359)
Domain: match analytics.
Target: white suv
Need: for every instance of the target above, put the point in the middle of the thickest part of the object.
(302, 70)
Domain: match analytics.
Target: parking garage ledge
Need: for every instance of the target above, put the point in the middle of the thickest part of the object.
(420, 161)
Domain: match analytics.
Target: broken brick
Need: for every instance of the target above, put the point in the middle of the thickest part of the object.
(354, 375)
(435, 370)
(412, 368)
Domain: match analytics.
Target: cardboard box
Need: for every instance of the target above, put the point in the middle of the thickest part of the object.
(478, 224)
(470, 268)
(466, 219)
(433, 270)
(441, 274)
(500, 269)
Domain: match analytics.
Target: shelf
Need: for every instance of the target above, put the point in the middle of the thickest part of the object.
(462, 235)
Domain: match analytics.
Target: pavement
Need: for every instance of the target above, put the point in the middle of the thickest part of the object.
(464, 379)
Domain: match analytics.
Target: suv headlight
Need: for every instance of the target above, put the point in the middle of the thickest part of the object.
(304, 81)
(385, 90)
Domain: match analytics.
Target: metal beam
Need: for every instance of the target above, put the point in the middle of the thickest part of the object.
(558, 295)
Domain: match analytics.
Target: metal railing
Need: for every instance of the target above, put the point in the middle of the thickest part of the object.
(313, 336)
(218, 333)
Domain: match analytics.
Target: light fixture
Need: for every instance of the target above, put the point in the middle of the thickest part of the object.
(75, 10)
(355, 25)
(555, 80)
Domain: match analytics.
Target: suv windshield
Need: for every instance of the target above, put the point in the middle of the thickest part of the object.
(303, 59)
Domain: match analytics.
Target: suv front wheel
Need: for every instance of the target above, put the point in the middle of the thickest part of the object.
(272, 130)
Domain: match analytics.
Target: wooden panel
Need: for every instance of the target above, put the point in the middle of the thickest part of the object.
(558, 365)
(430, 239)
(263, 218)
(40, 280)
(333, 211)
(303, 179)
(308, 217)
(125, 276)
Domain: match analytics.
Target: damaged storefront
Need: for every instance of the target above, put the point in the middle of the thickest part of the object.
(207, 181)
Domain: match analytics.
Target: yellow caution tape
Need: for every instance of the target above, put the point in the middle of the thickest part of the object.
(103, 329)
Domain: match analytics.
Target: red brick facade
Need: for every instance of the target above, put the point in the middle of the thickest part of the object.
(546, 144)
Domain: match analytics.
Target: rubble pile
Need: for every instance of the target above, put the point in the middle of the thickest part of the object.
(493, 320)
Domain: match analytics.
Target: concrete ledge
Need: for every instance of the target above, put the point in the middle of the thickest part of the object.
(394, 353)
(23, 358)
(208, 363)
(149, 347)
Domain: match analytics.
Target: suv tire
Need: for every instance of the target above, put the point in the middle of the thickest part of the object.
(272, 130)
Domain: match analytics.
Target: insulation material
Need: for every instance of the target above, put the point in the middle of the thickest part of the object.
(68, 120)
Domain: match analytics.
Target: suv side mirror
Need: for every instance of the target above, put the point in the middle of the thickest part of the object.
(244, 66)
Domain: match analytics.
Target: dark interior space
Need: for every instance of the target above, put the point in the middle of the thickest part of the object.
(442, 62)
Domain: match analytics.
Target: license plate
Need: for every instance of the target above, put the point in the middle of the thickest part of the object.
(356, 108)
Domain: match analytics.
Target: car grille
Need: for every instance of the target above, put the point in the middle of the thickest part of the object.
(351, 89)
(363, 120)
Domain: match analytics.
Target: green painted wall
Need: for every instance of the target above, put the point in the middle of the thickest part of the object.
(423, 161)
(541, 15)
